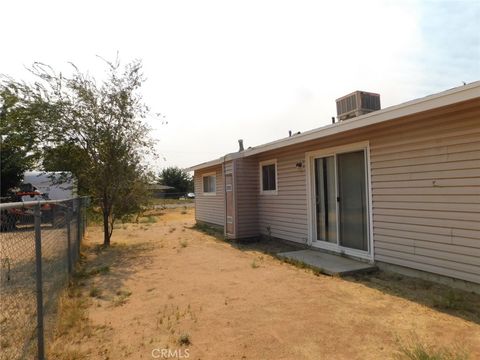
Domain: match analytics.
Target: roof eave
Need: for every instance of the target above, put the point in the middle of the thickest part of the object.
(444, 98)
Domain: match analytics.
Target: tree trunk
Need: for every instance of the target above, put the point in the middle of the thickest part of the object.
(106, 230)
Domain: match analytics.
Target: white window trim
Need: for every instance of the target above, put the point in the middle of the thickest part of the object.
(212, 193)
(264, 163)
(309, 157)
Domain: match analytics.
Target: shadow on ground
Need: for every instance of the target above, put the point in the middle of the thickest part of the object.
(123, 258)
(455, 302)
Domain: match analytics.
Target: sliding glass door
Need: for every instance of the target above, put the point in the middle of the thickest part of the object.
(352, 200)
(340, 200)
(325, 199)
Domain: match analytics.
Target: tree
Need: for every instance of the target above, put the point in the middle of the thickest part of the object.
(18, 138)
(95, 130)
(177, 178)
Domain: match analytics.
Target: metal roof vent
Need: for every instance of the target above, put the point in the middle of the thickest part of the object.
(356, 104)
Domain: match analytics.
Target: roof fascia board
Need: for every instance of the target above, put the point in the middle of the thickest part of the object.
(444, 98)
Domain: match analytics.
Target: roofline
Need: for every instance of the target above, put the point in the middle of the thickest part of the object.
(430, 102)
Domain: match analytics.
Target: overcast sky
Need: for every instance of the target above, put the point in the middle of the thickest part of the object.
(227, 70)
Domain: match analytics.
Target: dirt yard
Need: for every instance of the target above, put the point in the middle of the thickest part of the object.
(165, 290)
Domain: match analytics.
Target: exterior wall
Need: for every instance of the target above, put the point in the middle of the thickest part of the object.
(426, 196)
(285, 215)
(210, 208)
(425, 174)
(246, 191)
(425, 187)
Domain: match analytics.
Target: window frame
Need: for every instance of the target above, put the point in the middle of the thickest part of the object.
(261, 165)
(209, 193)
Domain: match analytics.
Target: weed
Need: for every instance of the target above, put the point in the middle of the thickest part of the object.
(184, 339)
(84, 273)
(451, 300)
(95, 292)
(99, 270)
(4, 343)
(300, 264)
(269, 232)
(209, 230)
(152, 219)
(72, 311)
(183, 243)
(419, 351)
(122, 297)
(148, 220)
(254, 264)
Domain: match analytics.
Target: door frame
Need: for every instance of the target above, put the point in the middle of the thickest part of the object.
(311, 210)
(232, 172)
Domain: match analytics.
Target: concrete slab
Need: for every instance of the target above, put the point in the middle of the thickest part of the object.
(328, 263)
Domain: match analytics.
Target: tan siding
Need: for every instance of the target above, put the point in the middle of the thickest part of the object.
(285, 215)
(426, 197)
(229, 167)
(425, 192)
(425, 173)
(246, 173)
(210, 208)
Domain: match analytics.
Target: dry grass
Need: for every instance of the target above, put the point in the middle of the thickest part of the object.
(416, 350)
(121, 297)
(156, 295)
(72, 323)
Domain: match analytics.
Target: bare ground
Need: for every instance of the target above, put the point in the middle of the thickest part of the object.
(163, 281)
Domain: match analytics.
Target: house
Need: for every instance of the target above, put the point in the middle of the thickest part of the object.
(56, 185)
(159, 191)
(398, 186)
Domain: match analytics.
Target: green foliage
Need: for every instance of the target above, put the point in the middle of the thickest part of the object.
(451, 301)
(12, 166)
(19, 137)
(214, 231)
(93, 129)
(419, 351)
(184, 339)
(177, 178)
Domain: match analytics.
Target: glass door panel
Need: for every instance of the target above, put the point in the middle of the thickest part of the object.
(352, 200)
(325, 199)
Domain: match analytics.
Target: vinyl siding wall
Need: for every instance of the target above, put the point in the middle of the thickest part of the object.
(426, 196)
(425, 173)
(284, 215)
(210, 208)
(425, 178)
(246, 187)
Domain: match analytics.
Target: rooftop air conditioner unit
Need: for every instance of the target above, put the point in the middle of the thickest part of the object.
(356, 104)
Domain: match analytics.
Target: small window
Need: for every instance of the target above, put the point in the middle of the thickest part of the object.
(268, 177)
(209, 184)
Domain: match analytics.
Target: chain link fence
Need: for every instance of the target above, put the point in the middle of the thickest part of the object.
(39, 246)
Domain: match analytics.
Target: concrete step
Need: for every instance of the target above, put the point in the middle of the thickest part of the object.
(328, 263)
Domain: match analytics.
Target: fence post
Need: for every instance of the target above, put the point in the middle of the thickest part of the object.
(84, 206)
(69, 240)
(38, 268)
(79, 224)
